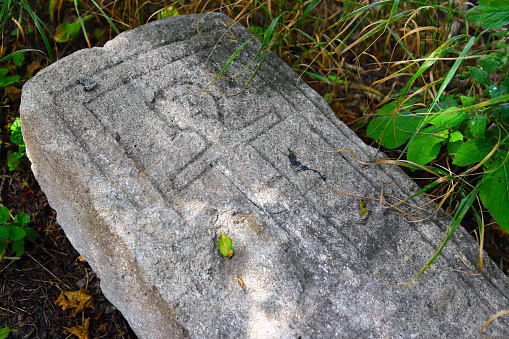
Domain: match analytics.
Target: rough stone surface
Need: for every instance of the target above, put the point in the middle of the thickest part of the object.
(145, 166)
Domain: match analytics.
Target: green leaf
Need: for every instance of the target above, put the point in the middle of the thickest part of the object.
(69, 32)
(225, 245)
(22, 218)
(467, 101)
(12, 161)
(4, 214)
(455, 136)
(493, 13)
(446, 119)
(473, 151)
(502, 112)
(18, 59)
(479, 75)
(452, 148)
(16, 136)
(19, 247)
(497, 90)
(3, 244)
(494, 191)
(16, 233)
(387, 109)
(4, 332)
(4, 232)
(490, 64)
(6, 81)
(391, 131)
(426, 145)
(31, 233)
(477, 125)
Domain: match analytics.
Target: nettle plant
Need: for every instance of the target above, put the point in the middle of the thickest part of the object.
(472, 129)
(14, 158)
(14, 232)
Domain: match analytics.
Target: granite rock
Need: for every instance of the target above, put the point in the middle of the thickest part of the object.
(147, 159)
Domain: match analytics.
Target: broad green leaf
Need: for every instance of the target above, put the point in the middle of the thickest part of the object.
(477, 125)
(6, 81)
(497, 90)
(4, 214)
(445, 103)
(4, 232)
(12, 161)
(446, 119)
(467, 101)
(4, 332)
(69, 32)
(455, 136)
(19, 247)
(16, 136)
(31, 233)
(502, 112)
(18, 155)
(426, 145)
(452, 148)
(494, 191)
(479, 75)
(473, 151)
(18, 58)
(22, 218)
(387, 109)
(225, 245)
(16, 233)
(391, 131)
(493, 13)
(490, 64)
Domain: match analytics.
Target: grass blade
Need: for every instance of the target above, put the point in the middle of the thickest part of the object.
(82, 24)
(40, 27)
(106, 17)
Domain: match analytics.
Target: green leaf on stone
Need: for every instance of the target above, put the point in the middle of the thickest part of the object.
(494, 190)
(225, 245)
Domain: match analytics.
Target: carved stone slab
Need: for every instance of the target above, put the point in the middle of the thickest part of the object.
(146, 165)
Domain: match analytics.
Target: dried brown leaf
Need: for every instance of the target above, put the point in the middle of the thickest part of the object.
(79, 300)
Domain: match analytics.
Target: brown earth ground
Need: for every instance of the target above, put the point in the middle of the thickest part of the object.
(30, 285)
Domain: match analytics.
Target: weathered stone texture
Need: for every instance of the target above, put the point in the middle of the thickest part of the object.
(145, 169)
